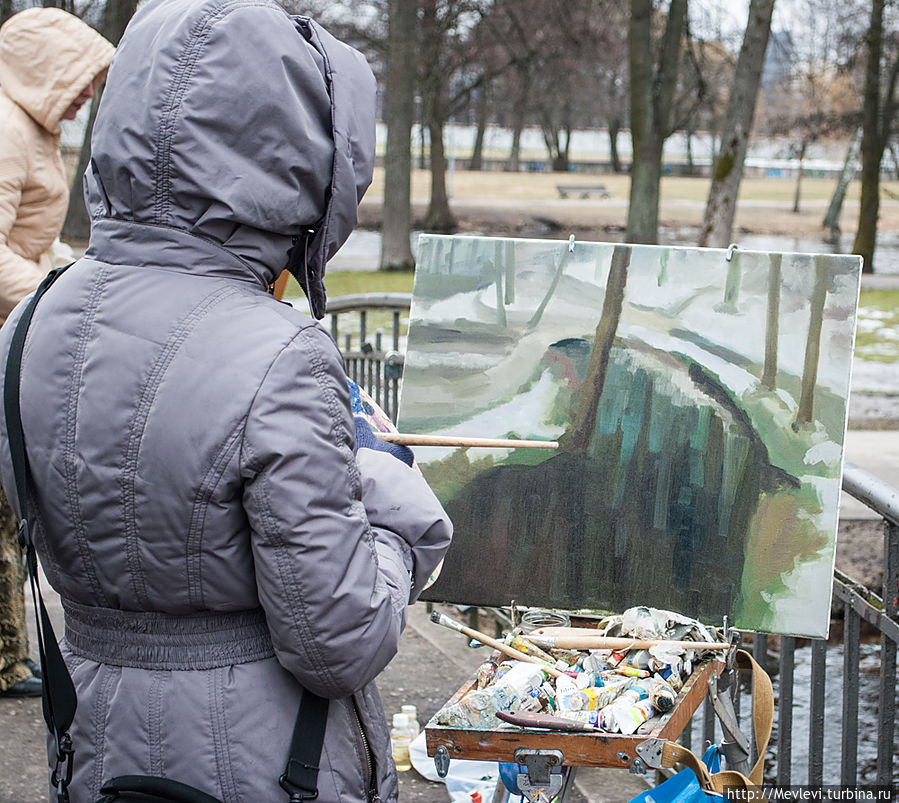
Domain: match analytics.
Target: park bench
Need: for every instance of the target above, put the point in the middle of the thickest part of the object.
(583, 190)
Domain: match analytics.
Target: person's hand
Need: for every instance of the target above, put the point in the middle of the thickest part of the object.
(366, 439)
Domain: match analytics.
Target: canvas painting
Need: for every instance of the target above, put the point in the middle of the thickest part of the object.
(699, 398)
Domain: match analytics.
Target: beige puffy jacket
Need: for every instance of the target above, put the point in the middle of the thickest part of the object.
(47, 57)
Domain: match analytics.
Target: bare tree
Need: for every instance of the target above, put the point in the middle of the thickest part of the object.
(652, 85)
(718, 220)
(877, 120)
(831, 220)
(77, 225)
(402, 55)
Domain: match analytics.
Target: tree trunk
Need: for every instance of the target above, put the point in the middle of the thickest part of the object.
(77, 225)
(518, 118)
(402, 55)
(614, 158)
(797, 195)
(717, 226)
(439, 216)
(652, 93)
(834, 210)
(482, 112)
(872, 143)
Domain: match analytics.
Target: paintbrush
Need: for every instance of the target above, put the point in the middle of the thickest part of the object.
(585, 640)
(406, 439)
(452, 624)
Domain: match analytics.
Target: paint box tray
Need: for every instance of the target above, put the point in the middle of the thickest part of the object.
(599, 749)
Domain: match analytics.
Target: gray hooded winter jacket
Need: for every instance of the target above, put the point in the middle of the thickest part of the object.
(217, 544)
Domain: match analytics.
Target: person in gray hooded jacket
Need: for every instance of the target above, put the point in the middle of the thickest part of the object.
(218, 542)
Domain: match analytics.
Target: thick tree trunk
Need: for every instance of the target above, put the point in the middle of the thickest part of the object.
(797, 195)
(872, 143)
(482, 112)
(614, 158)
(518, 118)
(77, 225)
(652, 93)
(402, 55)
(439, 216)
(834, 210)
(718, 221)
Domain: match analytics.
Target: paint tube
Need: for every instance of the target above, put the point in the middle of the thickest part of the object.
(516, 684)
(525, 646)
(671, 675)
(616, 657)
(564, 685)
(596, 660)
(535, 700)
(591, 699)
(662, 696)
(624, 716)
(631, 672)
(550, 693)
(487, 670)
(638, 659)
(587, 717)
(475, 710)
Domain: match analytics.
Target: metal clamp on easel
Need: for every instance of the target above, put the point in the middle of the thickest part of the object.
(544, 777)
(722, 693)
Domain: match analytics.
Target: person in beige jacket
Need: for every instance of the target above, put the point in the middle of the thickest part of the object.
(50, 62)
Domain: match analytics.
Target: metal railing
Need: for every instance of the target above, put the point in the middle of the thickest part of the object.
(379, 371)
(373, 357)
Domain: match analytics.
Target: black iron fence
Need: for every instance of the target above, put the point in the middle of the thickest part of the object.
(834, 741)
(369, 329)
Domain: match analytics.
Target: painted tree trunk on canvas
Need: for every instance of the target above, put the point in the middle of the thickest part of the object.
(718, 221)
(396, 227)
(585, 421)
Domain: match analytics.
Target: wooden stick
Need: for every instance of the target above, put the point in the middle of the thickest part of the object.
(598, 642)
(452, 624)
(405, 439)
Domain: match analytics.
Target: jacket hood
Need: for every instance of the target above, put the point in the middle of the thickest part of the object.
(47, 57)
(236, 122)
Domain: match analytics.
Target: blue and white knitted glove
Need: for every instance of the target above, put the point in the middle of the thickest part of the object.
(366, 439)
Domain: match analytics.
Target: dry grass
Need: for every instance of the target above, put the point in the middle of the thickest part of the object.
(497, 202)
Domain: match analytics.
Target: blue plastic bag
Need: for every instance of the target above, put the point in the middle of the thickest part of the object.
(684, 787)
(681, 788)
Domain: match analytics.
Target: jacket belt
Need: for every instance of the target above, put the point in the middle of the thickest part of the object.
(153, 640)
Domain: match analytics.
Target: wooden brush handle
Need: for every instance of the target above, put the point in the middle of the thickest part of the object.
(405, 439)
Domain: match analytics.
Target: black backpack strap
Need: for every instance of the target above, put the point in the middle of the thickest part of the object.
(300, 778)
(59, 700)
